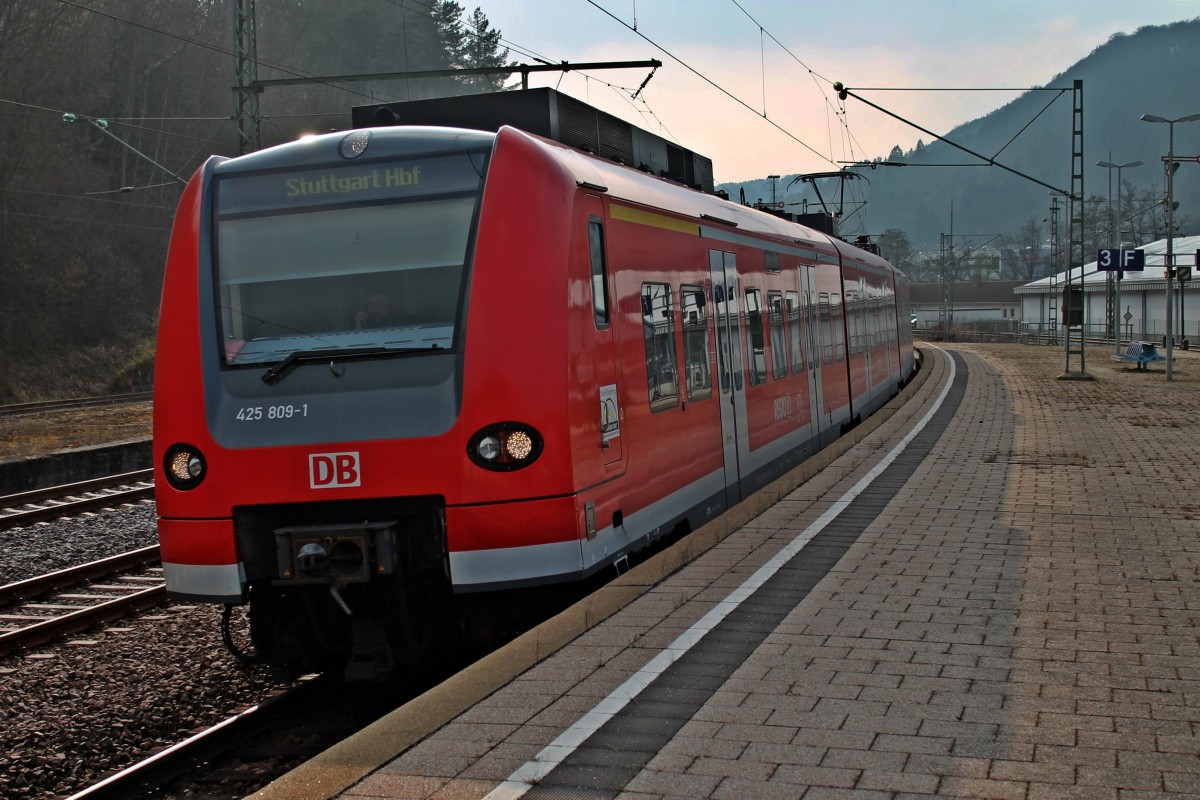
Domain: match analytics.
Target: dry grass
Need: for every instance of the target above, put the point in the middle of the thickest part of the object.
(29, 435)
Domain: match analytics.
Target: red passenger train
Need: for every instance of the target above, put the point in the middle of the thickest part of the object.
(401, 365)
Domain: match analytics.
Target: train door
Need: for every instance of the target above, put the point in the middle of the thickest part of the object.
(812, 343)
(606, 351)
(729, 366)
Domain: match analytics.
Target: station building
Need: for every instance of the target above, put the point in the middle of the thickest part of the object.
(1143, 296)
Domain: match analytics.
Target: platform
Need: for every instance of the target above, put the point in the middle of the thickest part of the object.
(1005, 607)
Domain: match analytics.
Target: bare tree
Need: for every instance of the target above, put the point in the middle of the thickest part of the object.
(86, 208)
(1024, 255)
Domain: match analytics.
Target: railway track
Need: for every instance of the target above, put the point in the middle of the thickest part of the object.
(80, 402)
(245, 752)
(62, 603)
(198, 760)
(54, 502)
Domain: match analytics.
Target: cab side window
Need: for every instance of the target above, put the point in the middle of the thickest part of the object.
(599, 272)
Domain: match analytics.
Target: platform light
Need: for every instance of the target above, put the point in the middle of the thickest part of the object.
(1169, 257)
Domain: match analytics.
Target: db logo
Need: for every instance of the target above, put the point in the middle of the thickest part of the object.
(333, 470)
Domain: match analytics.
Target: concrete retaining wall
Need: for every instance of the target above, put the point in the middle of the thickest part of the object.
(70, 466)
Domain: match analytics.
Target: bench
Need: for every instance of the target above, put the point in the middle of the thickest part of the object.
(1141, 353)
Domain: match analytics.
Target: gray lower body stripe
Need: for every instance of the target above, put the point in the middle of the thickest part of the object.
(612, 756)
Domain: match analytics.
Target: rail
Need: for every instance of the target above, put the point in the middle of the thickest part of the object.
(70, 602)
(78, 402)
(64, 500)
(161, 768)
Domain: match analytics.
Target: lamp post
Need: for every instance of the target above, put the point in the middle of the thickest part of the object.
(1117, 225)
(1170, 255)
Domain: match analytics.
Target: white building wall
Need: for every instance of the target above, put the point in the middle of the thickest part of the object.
(1143, 296)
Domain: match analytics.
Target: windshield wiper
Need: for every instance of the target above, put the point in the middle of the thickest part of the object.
(279, 369)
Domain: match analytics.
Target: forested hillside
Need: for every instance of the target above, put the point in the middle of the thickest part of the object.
(86, 207)
(1150, 71)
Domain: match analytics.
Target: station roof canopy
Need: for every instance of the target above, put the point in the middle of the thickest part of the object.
(1185, 249)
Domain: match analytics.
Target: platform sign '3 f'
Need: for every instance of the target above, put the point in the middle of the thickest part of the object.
(1112, 258)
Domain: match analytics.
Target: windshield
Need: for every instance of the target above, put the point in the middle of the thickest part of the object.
(344, 257)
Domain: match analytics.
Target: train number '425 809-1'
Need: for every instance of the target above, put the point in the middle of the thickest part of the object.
(256, 413)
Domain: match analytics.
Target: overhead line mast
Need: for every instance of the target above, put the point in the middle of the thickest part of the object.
(1073, 305)
(245, 43)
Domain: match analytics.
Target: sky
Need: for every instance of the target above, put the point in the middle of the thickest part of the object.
(749, 83)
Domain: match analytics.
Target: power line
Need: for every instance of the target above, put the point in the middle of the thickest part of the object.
(205, 45)
(127, 121)
(544, 59)
(75, 221)
(468, 23)
(843, 92)
(813, 74)
(30, 105)
(782, 46)
(119, 121)
(89, 196)
(714, 84)
(102, 126)
(281, 68)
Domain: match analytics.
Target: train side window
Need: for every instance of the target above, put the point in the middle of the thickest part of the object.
(793, 325)
(867, 304)
(696, 364)
(854, 320)
(826, 328)
(754, 326)
(863, 312)
(658, 324)
(599, 272)
(779, 356)
(771, 261)
(839, 329)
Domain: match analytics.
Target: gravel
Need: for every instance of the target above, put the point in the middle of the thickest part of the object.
(46, 547)
(75, 711)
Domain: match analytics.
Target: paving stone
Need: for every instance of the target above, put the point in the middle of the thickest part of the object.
(997, 631)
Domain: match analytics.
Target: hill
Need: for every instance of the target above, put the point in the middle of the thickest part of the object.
(1146, 72)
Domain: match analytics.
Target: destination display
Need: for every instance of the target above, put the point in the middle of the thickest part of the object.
(351, 183)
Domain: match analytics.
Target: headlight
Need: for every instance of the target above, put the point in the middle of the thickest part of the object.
(505, 446)
(184, 466)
